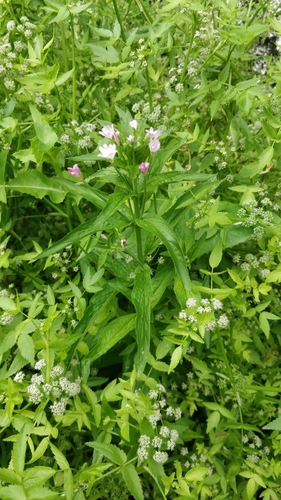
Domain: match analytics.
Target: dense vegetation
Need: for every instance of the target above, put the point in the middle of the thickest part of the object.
(140, 250)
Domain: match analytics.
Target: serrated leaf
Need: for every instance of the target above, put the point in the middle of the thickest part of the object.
(26, 347)
(175, 359)
(13, 493)
(141, 298)
(158, 226)
(132, 481)
(40, 450)
(110, 451)
(213, 420)
(18, 453)
(59, 457)
(9, 476)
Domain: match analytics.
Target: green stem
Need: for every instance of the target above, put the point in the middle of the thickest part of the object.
(155, 203)
(186, 61)
(149, 90)
(123, 36)
(143, 9)
(64, 48)
(48, 359)
(68, 211)
(144, 196)
(137, 215)
(74, 71)
(223, 352)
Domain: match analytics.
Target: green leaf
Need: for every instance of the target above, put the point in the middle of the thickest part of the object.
(3, 159)
(26, 347)
(114, 202)
(37, 476)
(68, 484)
(162, 156)
(42, 494)
(216, 407)
(9, 476)
(18, 453)
(38, 185)
(13, 493)
(64, 77)
(40, 450)
(158, 226)
(7, 304)
(110, 451)
(141, 298)
(90, 194)
(175, 359)
(132, 481)
(160, 282)
(264, 324)
(59, 457)
(213, 420)
(111, 334)
(196, 474)
(216, 255)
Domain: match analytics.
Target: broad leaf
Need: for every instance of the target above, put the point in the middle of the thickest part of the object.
(132, 481)
(38, 185)
(110, 451)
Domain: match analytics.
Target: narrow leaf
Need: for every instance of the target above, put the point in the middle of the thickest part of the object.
(158, 226)
(114, 203)
(141, 297)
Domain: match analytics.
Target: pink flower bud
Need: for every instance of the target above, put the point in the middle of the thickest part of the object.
(75, 170)
(154, 145)
(123, 243)
(143, 167)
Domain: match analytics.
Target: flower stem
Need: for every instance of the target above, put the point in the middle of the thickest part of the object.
(74, 71)
(149, 90)
(138, 229)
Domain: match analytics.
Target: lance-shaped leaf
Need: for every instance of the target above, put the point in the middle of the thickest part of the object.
(90, 227)
(141, 297)
(96, 305)
(110, 335)
(158, 226)
(90, 194)
(3, 159)
(110, 451)
(132, 481)
(38, 185)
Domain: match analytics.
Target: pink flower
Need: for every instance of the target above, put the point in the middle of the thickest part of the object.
(107, 131)
(144, 167)
(108, 151)
(154, 145)
(134, 124)
(153, 134)
(75, 170)
(123, 243)
(130, 138)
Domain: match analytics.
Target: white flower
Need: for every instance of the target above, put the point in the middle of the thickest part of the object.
(223, 321)
(134, 124)
(107, 131)
(108, 151)
(40, 364)
(19, 377)
(164, 431)
(191, 302)
(160, 456)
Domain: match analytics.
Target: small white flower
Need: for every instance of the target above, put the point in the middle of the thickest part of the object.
(19, 377)
(160, 457)
(107, 131)
(108, 151)
(191, 302)
(134, 124)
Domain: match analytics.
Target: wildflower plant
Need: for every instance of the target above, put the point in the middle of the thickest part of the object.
(140, 250)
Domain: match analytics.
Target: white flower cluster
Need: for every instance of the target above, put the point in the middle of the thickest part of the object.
(206, 306)
(165, 437)
(59, 389)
